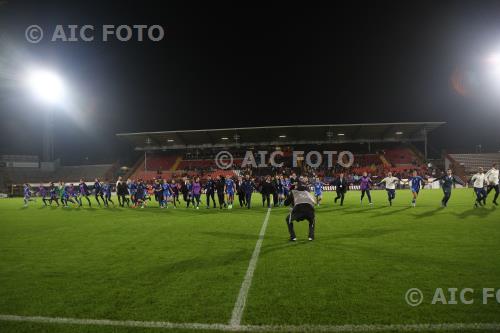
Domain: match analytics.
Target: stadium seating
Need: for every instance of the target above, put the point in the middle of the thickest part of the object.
(471, 162)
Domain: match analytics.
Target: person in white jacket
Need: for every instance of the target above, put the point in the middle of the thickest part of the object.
(492, 179)
(479, 181)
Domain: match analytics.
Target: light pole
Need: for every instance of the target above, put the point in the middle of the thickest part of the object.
(48, 88)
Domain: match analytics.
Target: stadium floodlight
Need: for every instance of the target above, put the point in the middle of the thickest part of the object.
(46, 85)
(224, 138)
(282, 136)
(341, 134)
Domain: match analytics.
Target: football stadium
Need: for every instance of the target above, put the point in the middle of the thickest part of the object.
(198, 173)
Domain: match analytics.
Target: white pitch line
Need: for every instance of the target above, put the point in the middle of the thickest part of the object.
(259, 328)
(239, 306)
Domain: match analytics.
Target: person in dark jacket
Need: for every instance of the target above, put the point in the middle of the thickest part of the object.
(448, 181)
(122, 192)
(266, 189)
(303, 209)
(341, 187)
(219, 187)
(240, 191)
(248, 186)
(210, 191)
(275, 181)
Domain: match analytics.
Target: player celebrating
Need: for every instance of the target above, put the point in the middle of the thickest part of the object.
(27, 194)
(479, 181)
(164, 194)
(230, 188)
(84, 192)
(318, 190)
(43, 194)
(196, 193)
(175, 193)
(492, 179)
(365, 184)
(447, 183)
(390, 186)
(98, 191)
(106, 189)
(415, 182)
(54, 194)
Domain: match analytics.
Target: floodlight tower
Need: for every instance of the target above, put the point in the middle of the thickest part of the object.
(48, 88)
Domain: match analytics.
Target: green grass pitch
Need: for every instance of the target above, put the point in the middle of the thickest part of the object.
(187, 266)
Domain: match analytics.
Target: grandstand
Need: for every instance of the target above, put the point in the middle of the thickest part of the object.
(466, 164)
(378, 148)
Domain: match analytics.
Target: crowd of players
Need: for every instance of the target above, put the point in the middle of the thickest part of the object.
(137, 193)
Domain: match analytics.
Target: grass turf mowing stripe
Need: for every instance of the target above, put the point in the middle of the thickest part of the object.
(239, 306)
(259, 328)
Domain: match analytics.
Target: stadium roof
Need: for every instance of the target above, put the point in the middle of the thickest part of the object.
(281, 135)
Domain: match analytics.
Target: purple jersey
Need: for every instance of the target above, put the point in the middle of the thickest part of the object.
(196, 188)
(365, 183)
(42, 191)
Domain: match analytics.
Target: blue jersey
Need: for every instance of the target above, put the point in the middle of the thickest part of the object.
(318, 188)
(106, 188)
(415, 183)
(229, 186)
(286, 186)
(166, 189)
(65, 193)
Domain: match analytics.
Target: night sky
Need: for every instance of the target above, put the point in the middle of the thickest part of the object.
(223, 65)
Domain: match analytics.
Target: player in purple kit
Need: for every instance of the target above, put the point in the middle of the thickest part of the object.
(44, 194)
(84, 192)
(196, 190)
(365, 184)
(27, 194)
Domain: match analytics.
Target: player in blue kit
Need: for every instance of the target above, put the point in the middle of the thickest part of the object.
(132, 190)
(318, 190)
(98, 191)
(73, 193)
(286, 187)
(106, 189)
(230, 188)
(65, 195)
(166, 194)
(416, 182)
